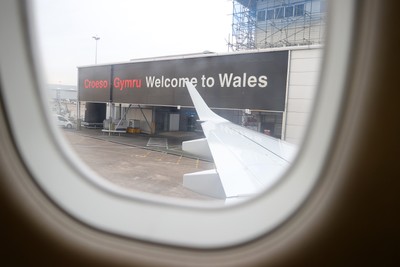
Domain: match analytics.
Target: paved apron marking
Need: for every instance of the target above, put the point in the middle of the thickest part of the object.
(157, 142)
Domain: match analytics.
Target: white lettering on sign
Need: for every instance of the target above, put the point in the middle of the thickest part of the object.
(229, 80)
(153, 81)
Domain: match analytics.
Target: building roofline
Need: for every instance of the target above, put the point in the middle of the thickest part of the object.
(208, 54)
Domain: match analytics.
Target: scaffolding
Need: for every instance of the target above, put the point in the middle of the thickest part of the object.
(277, 23)
(243, 25)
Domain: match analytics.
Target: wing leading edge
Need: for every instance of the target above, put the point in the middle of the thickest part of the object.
(246, 161)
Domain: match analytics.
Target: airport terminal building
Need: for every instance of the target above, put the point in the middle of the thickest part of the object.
(269, 91)
(266, 83)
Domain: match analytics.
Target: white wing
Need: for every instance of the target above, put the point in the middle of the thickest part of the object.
(246, 161)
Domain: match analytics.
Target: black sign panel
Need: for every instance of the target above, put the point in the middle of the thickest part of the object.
(240, 81)
(94, 83)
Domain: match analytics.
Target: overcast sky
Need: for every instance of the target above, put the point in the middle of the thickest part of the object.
(127, 29)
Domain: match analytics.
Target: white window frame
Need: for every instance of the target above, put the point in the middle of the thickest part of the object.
(84, 195)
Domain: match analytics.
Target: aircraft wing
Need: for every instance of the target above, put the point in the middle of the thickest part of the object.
(246, 161)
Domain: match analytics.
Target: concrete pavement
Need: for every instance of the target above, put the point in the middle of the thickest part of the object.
(148, 163)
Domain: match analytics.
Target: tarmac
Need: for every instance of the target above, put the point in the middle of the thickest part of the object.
(168, 142)
(148, 163)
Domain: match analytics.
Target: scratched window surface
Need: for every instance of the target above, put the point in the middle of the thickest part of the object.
(117, 71)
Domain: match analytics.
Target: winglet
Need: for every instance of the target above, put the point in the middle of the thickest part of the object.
(204, 112)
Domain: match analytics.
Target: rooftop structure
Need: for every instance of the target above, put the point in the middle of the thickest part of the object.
(276, 23)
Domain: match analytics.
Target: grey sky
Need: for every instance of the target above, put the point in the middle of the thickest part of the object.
(127, 29)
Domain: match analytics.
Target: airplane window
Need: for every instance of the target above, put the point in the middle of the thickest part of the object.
(125, 79)
(138, 111)
(80, 36)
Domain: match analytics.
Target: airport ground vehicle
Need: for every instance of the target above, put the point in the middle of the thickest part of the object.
(349, 219)
(62, 121)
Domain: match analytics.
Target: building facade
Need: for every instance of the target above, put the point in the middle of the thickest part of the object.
(269, 91)
(267, 84)
(261, 24)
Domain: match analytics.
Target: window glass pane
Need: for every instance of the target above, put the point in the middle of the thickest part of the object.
(130, 119)
(299, 10)
(270, 14)
(289, 11)
(261, 15)
(279, 12)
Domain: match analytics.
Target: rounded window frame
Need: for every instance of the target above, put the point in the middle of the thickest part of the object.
(142, 216)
